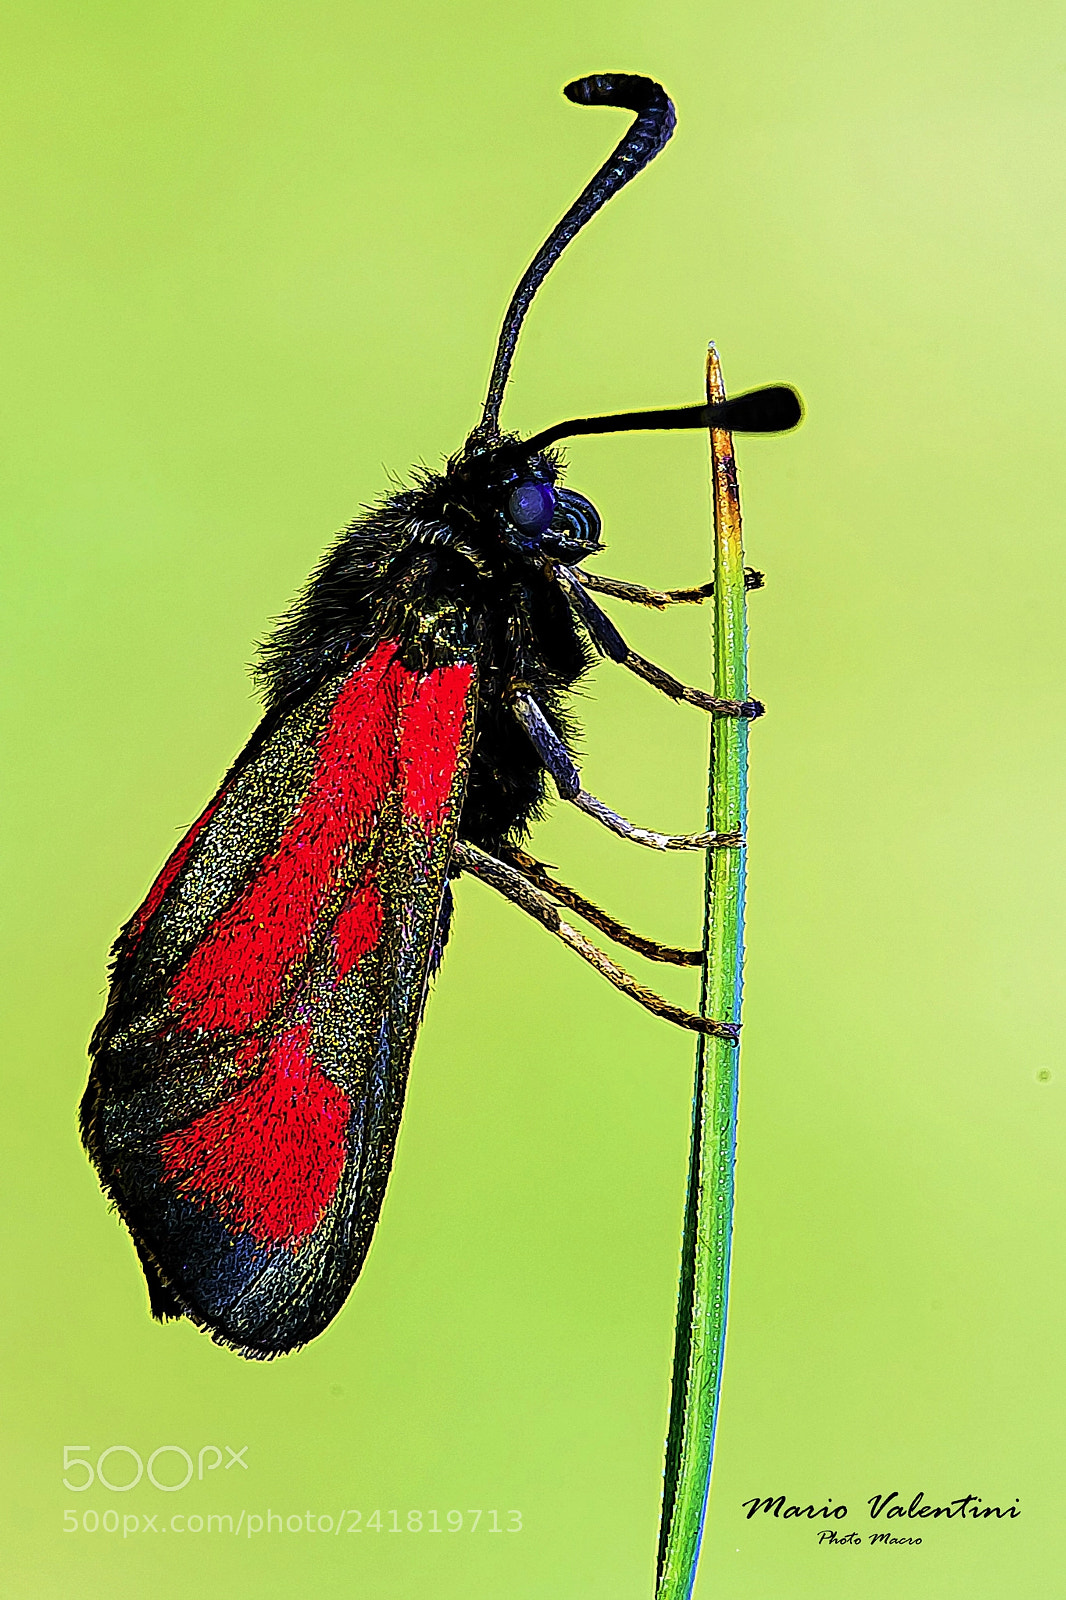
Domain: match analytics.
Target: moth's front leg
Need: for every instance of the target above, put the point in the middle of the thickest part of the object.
(658, 599)
(607, 639)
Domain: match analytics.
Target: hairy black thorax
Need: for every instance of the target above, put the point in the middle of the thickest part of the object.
(443, 569)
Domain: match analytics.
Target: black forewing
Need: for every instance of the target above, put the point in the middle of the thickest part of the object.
(250, 1070)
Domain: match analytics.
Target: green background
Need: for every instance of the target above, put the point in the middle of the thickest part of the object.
(255, 259)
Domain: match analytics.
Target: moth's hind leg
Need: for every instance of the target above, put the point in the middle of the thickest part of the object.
(536, 873)
(516, 887)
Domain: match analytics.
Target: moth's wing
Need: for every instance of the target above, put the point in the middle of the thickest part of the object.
(250, 1068)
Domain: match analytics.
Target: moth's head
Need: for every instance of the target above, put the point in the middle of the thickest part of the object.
(514, 497)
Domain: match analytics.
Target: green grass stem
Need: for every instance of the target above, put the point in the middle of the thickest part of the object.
(699, 1346)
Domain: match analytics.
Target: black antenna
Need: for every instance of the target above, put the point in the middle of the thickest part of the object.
(774, 409)
(646, 137)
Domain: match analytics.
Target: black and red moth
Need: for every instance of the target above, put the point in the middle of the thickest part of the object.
(249, 1071)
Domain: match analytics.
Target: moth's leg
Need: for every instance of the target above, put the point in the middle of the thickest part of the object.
(534, 872)
(513, 886)
(655, 841)
(606, 638)
(568, 782)
(659, 599)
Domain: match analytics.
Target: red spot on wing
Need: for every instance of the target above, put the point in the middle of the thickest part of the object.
(174, 863)
(269, 1159)
(358, 927)
(233, 977)
(434, 714)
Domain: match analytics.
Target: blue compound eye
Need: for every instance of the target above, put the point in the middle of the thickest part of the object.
(532, 506)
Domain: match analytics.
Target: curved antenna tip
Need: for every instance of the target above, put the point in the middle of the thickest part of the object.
(646, 136)
(626, 89)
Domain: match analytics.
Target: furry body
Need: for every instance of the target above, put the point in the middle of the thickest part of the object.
(441, 568)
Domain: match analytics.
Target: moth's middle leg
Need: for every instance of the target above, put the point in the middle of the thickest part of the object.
(550, 749)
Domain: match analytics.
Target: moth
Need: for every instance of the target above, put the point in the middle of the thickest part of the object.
(249, 1071)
